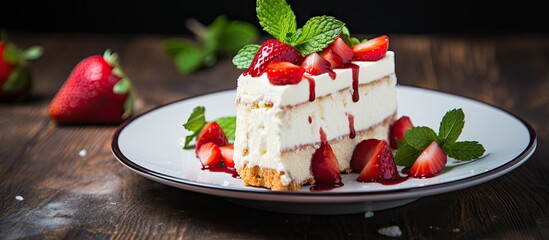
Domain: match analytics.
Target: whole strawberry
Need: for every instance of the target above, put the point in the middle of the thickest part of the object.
(15, 76)
(96, 91)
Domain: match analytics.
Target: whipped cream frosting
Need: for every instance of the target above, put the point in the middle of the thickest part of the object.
(252, 89)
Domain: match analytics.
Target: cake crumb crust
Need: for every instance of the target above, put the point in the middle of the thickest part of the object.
(269, 178)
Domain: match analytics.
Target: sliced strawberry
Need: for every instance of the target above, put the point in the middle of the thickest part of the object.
(342, 50)
(430, 162)
(283, 73)
(363, 153)
(315, 65)
(209, 154)
(227, 155)
(378, 161)
(398, 129)
(371, 50)
(335, 60)
(269, 51)
(324, 165)
(211, 132)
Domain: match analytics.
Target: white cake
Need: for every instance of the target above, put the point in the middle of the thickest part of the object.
(279, 126)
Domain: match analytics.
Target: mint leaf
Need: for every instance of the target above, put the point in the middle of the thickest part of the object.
(228, 125)
(245, 56)
(406, 154)
(235, 35)
(276, 17)
(451, 125)
(317, 34)
(195, 123)
(221, 38)
(196, 120)
(464, 150)
(420, 137)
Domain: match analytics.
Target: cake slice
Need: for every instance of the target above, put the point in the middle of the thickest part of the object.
(295, 96)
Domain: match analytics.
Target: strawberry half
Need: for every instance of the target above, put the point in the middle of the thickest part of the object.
(96, 91)
(315, 65)
(272, 50)
(284, 73)
(430, 162)
(374, 160)
(227, 153)
(371, 50)
(211, 132)
(398, 129)
(324, 165)
(209, 154)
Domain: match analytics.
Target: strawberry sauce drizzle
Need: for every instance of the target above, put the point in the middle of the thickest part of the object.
(310, 120)
(323, 138)
(355, 68)
(312, 93)
(332, 74)
(222, 168)
(352, 132)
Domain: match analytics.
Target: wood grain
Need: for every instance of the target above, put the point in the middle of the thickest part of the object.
(69, 194)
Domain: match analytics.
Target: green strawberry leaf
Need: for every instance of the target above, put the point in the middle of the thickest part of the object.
(464, 150)
(122, 87)
(33, 52)
(420, 137)
(18, 79)
(451, 126)
(317, 34)
(276, 17)
(111, 57)
(11, 54)
(406, 154)
(228, 125)
(245, 56)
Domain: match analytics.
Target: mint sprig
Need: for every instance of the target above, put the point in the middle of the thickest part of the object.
(418, 138)
(221, 38)
(278, 19)
(197, 120)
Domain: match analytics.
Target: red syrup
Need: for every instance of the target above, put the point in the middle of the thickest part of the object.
(222, 168)
(312, 93)
(325, 187)
(394, 181)
(352, 133)
(332, 74)
(355, 68)
(310, 120)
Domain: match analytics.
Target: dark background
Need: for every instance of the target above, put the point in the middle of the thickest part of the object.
(375, 17)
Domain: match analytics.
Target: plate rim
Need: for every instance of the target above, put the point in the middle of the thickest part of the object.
(326, 196)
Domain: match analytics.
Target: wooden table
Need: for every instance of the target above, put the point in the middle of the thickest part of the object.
(51, 189)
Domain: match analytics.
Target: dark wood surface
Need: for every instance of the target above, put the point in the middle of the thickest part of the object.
(69, 196)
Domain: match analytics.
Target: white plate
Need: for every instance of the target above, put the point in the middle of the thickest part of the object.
(151, 145)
